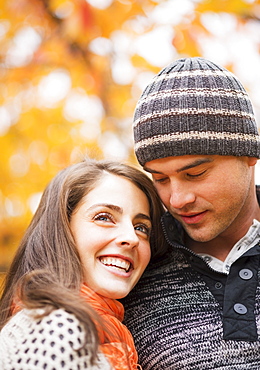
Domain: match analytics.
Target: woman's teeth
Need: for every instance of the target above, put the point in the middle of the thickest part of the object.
(116, 262)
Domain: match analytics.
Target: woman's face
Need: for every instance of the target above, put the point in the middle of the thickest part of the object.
(111, 229)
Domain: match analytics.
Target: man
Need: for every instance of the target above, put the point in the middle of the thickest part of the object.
(199, 306)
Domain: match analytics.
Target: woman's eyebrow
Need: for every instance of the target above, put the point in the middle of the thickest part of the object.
(144, 216)
(107, 205)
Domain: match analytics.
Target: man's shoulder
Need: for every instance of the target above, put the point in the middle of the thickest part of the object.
(162, 273)
(173, 260)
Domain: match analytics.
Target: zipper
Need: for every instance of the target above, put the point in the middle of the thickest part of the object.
(189, 251)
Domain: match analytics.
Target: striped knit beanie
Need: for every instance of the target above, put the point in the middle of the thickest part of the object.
(194, 106)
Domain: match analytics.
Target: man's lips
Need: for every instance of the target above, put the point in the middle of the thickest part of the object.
(192, 218)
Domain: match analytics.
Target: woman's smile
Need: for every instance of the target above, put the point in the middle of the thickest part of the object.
(111, 228)
(116, 262)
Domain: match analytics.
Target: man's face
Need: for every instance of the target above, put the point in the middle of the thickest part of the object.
(209, 195)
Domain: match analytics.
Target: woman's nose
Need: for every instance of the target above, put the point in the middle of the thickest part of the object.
(127, 236)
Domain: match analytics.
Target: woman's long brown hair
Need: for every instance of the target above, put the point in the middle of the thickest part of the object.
(46, 270)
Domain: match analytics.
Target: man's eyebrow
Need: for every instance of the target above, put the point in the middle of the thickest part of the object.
(196, 163)
(193, 164)
(150, 170)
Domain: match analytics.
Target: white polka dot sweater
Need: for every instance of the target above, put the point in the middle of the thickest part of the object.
(49, 343)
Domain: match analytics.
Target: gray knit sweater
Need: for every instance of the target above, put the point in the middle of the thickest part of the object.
(183, 315)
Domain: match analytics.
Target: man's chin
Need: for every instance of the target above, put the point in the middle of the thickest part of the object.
(198, 236)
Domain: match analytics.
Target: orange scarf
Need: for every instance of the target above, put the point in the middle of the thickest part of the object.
(120, 350)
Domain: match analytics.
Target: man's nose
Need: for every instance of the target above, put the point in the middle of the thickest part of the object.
(181, 195)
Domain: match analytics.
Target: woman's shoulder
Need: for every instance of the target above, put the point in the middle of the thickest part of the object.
(30, 342)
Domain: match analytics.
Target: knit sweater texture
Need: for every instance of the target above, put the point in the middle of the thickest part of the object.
(184, 315)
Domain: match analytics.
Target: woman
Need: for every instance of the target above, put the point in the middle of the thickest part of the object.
(87, 246)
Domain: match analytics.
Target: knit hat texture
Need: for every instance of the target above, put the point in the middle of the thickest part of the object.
(194, 106)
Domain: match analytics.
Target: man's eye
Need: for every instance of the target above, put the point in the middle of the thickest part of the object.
(161, 180)
(196, 175)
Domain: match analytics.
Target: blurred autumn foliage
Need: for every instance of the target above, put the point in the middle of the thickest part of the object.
(72, 71)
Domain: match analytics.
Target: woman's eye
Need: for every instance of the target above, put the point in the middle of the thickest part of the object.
(143, 229)
(103, 217)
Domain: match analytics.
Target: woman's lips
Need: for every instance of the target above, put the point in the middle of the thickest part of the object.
(117, 264)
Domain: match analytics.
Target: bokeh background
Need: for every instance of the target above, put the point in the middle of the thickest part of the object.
(71, 72)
